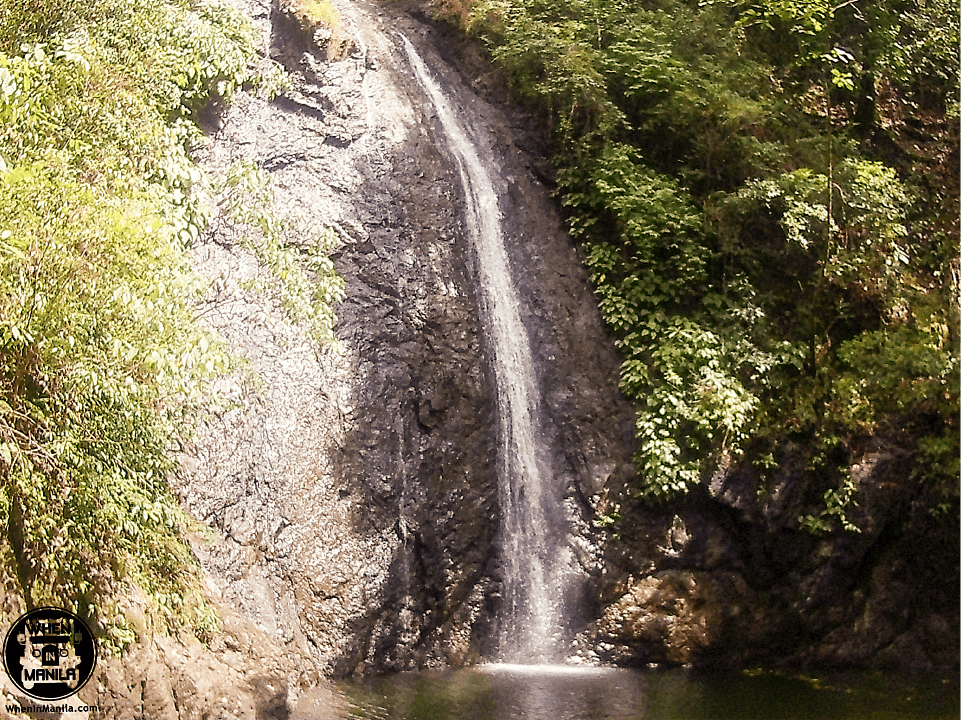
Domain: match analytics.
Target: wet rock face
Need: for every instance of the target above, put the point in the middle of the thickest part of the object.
(353, 490)
(587, 425)
(352, 487)
(672, 617)
(422, 435)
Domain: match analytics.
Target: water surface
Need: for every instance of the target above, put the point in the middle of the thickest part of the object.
(510, 692)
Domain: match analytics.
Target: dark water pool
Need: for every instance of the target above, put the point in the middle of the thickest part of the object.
(504, 692)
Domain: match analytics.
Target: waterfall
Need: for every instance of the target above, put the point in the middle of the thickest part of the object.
(533, 571)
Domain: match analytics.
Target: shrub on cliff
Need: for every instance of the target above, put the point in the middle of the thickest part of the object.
(101, 361)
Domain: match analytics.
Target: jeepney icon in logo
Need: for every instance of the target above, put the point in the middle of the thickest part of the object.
(49, 653)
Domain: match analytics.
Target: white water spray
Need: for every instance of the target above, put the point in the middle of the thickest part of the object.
(533, 571)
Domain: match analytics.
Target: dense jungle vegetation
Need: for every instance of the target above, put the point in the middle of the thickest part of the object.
(103, 364)
(767, 196)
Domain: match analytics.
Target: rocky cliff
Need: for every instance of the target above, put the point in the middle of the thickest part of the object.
(725, 578)
(353, 489)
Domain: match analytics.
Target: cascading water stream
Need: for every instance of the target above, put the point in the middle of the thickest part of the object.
(534, 577)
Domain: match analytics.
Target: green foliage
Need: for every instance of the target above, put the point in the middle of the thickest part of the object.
(863, 246)
(921, 54)
(319, 12)
(652, 275)
(550, 52)
(837, 503)
(179, 55)
(769, 249)
(32, 21)
(102, 365)
(665, 81)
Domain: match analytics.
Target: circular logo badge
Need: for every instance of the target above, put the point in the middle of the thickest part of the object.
(49, 653)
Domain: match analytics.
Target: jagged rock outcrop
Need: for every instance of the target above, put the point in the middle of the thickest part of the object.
(727, 578)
